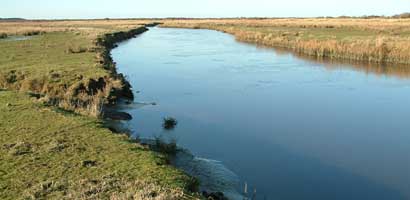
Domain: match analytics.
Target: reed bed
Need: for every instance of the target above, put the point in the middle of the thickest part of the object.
(381, 40)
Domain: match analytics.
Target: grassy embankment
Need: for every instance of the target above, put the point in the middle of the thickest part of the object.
(69, 66)
(47, 151)
(381, 40)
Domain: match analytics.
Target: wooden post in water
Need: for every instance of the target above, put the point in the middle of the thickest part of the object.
(254, 194)
(245, 191)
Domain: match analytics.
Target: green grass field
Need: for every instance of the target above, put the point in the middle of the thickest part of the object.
(47, 57)
(75, 154)
(58, 65)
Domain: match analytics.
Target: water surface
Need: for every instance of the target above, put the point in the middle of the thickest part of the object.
(291, 128)
(16, 38)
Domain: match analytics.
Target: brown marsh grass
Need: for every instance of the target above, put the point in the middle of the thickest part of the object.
(381, 40)
(84, 26)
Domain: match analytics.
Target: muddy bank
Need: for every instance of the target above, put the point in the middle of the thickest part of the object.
(109, 41)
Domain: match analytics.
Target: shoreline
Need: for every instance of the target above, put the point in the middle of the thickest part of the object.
(154, 144)
(109, 41)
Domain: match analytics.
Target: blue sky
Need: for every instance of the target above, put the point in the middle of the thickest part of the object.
(198, 8)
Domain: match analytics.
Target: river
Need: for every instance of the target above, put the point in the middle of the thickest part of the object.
(286, 126)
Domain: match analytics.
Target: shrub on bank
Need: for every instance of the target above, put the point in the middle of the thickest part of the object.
(168, 148)
(77, 50)
(3, 35)
(33, 33)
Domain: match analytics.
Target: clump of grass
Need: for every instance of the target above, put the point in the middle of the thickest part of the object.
(167, 148)
(83, 103)
(169, 123)
(77, 50)
(3, 35)
(20, 148)
(33, 33)
(89, 163)
(11, 77)
(99, 187)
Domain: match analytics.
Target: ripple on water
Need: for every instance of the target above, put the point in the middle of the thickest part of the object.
(214, 176)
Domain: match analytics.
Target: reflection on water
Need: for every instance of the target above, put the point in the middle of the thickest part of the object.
(381, 69)
(16, 38)
(291, 127)
(387, 69)
(213, 174)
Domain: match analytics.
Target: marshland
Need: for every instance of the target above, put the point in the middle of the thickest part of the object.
(378, 40)
(251, 108)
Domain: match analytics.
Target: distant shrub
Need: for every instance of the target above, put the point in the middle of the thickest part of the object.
(33, 33)
(76, 50)
(89, 163)
(372, 16)
(403, 15)
(11, 77)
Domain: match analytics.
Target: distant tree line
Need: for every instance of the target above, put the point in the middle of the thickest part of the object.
(403, 15)
(399, 16)
(11, 19)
